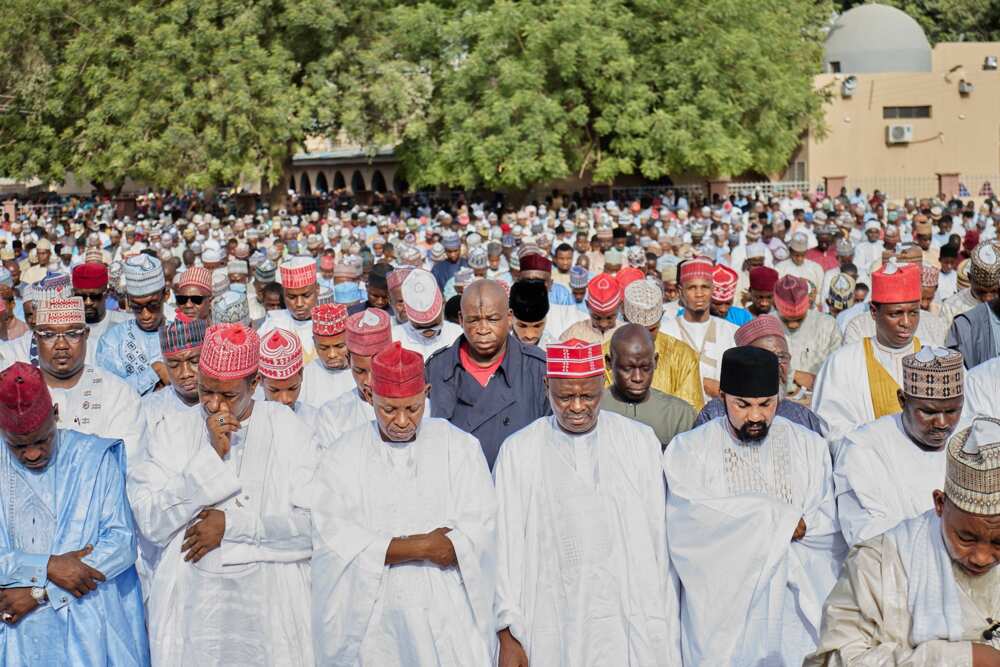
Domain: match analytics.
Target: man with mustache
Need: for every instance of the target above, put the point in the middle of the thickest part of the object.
(91, 399)
(751, 524)
(580, 498)
(925, 592)
(886, 471)
(425, 330)
(404, 534)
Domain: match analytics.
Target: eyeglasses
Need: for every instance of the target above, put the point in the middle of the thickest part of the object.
(183, 299)
(152, 307)
(71, 336)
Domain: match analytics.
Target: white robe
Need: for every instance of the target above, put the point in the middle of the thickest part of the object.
(982, 392)
(282, 319)
(413, 341)
(809, 270)
(158, 405)
(247, 602)
(320, 385)
(751, 595)
(584, 579)
(364, 493)
(102, 404)
(342, 414)
(882, 478)
(842, 395)
(709, 354)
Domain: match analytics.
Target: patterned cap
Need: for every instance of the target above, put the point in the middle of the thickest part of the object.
(196, 276)
(758, 327)
(933, 372)
(478, 259)
(368, 332)
(972, 481)
(604, 294)
(628, 275)
(450, 241)
(463, 277)
(184, 333)
(230, 352)
(238, 266)
(984, 265)
(329, 319)
(842, 290)
(643, 303)
(90, 275)
(265, 272)
(231, 308)
(220, 282)
(791, 296)
(437, 252)
(298, 272)
(635, 256)
(60, 311)
(25, 402)
(280, 354)
(724, 280)
(574, 359)
(896, 283)
(578, 277)
(395, 279)
(614, 257)
(421, 297)
(929, 275)
(694, 269)
(398, 372)
(845, 248)
(143, 275)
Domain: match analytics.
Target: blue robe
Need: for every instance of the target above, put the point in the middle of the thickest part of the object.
(107, 626)
(129, 352)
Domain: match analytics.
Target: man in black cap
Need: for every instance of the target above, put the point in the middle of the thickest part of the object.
(529, 307)
(378, 291)
(751, 519)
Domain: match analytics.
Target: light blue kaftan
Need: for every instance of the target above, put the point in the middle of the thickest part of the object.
(129, 352)
(79, 499)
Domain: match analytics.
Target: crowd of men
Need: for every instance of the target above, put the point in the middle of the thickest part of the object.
(765, 431)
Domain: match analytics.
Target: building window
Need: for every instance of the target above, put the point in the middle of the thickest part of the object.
(835, 66)
(906, 112)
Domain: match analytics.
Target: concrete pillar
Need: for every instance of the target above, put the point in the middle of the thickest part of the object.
(719, 187)
(948, 184)
(833, 184)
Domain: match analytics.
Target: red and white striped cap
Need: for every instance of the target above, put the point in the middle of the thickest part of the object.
(693, 269)
(230, 352)
(329, 319)
(280, 354)
(298, 272)
(574, 358)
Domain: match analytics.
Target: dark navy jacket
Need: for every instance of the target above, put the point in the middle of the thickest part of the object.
(511, 400)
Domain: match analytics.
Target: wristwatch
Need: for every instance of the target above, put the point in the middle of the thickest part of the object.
(39, 595)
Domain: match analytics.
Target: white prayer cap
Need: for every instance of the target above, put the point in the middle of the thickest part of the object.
(143, 275)
(972, 482)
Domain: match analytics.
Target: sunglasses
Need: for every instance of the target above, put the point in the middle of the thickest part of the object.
(184, 299)
(154, 307)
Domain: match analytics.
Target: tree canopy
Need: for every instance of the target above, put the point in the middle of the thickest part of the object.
(190, 93)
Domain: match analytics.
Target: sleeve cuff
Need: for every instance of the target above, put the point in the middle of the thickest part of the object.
(32, 569)
(241, 526)
(58, 598)
(212, 480)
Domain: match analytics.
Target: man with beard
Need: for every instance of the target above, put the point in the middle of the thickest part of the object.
(131, 349)
(300, 293)
(751, 524)
(425, 330)
(90, 283)
(70, 595)
(368, 333)
(90, 399)
(487, 382)
(214, 494)
(925, 593)
(404, 534)
(327, 376)
(633, 361)
(194, 293)
(708, 336)
(580, 498)
(886, 471)
(180, 343)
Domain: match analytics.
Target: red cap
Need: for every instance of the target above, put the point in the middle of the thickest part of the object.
(791, 296)
(90, 275)
(196, 276)
(230, 352)
(368, 332)
(724, 280)
(329, 319)
(397, 372)
(627, 276)
(533, 261)
(25, 402)
(763, 278)
(896, 283)
(692, 269)
(574, 359)
(758, 327)
(604, 294)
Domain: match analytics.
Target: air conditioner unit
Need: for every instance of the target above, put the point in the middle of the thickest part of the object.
(965, 87)
(898, 134)
(848, 87)
(990, 63)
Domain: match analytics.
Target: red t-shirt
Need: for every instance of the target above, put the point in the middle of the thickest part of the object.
(481, 373)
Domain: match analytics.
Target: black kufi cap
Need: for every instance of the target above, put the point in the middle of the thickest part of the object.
(749, 372)
(529, 300)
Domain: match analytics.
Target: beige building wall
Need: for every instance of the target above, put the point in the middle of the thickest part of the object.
(962, 135)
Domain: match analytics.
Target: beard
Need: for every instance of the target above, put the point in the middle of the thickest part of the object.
(753, 432)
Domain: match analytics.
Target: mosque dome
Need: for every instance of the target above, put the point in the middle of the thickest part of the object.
(876, 38)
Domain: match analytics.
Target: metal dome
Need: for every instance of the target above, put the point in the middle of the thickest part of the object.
(876, 38)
